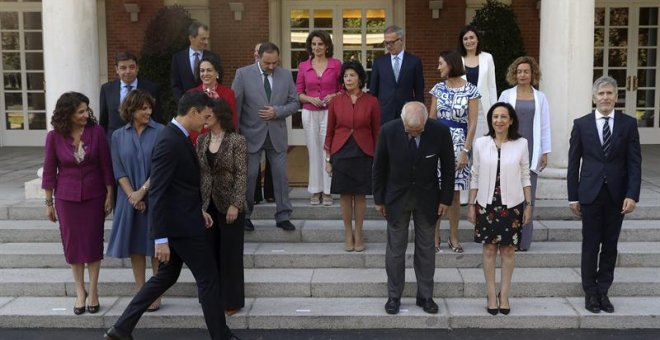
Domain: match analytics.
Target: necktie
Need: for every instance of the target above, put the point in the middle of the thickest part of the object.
(267, 86)
(412, 145)
(397, 68)
(127, 89)
(196, 68)
(607, 136)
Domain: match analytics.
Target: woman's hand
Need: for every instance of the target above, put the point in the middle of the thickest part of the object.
(109, 202)
(462, 160)
(50, 213)
(328, 98)
(232, 214)
(316, 102)
(136, 196)
(328, 168)
(472, 213)
(527, 215)
(543, 162)
(141, 207)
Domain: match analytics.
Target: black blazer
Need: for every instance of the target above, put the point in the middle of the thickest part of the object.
(392, 94)
(109, 116)
(622, 168)
(182, 78)
(174, 194)
(395, 172)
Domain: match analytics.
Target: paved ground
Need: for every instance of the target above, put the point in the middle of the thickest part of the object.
(424, 334)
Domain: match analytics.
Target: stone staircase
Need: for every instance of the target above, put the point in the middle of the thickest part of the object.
(303, 279)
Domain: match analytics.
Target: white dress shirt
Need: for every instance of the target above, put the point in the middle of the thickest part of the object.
(600, 122)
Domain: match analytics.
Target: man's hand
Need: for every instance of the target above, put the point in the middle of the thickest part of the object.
(267, 113)
(628, 206)
(380, 208)
(208, 220)
(442, 210)
(576, 209)
(163, 252)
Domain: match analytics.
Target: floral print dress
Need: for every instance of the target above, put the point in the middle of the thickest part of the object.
(497, 224)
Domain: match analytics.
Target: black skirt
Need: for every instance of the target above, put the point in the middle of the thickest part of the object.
(351, 170)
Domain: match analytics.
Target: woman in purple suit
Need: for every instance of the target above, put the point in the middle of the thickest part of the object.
(78, 173)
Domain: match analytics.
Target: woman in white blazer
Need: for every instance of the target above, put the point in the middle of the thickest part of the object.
(500, 199)
(534, 117)
(480, 71)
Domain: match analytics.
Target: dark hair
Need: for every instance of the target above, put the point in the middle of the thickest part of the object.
(224, 114)
(461, 47)
(193, 29)
(216, 65)
(194, 99)
(123, 56)
(268, 47)
(327, 41)
(455, 63)
(512, 133)
(355, 66)
(65, 107)
(134, 101)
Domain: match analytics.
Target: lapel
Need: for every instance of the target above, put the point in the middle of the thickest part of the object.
(256, 71)
(188, 144)
(115, 90)
(592, 130)
(387, 60)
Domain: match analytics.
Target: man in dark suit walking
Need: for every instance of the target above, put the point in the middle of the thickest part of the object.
(604, 188)
(409, 153)
(396, 77)
(177, 222)
(113, 92)
(185, 62)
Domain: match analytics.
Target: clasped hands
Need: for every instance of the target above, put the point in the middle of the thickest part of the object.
(321, 103)
(136, 199)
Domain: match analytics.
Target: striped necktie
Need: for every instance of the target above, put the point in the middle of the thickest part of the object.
(607, 137)
(397, 68)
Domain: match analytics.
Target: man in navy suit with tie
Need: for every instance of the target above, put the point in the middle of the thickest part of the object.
(396, 77)
(185, 63)
(113, 92)
(604, 178)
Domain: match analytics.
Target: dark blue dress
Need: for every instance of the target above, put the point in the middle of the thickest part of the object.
(131, 158)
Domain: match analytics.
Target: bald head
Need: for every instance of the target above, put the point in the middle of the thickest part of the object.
(414, 116)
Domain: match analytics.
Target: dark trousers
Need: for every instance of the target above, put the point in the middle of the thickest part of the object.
(397, 242)
(226, 243)
(601, 226)
(268, 184)
(195, 253)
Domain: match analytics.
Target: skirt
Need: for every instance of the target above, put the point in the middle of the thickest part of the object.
(81, 229)
(351, 170)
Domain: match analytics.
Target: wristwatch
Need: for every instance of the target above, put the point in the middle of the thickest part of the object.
(529, 204)
(466, 150)
(327, 159)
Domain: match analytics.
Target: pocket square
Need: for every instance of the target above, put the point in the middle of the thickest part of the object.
(429, 156)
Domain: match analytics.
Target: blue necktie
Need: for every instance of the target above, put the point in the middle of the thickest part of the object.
(397, 68)
(607, 137)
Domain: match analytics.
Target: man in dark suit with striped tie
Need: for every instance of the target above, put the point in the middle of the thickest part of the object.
(604, 178)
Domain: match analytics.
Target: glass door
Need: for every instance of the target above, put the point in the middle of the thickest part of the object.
(22, 98)
(356, 30)
(626, 48)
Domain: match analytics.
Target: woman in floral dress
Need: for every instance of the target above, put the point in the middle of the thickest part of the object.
(455, 103)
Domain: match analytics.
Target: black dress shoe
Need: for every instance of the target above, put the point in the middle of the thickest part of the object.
(229, 335)
(286, 225)
(248, 225)
(428, 305)
(605, 304)
(112, 334)
(392, 305)
(592, 304)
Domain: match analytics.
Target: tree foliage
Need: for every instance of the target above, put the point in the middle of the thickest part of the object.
(166, 34)
(500, 36)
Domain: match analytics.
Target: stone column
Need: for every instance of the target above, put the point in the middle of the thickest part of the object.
(566, 59)
(71, 50)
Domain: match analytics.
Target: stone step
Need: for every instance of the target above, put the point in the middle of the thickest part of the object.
(336, 282)
(333, 231)
(340, 313)
(332, 255)
(33, 209)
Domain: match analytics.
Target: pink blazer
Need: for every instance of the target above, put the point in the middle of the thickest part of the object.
(72, 181)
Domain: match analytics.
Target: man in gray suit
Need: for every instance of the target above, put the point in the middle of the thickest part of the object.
(265, 96)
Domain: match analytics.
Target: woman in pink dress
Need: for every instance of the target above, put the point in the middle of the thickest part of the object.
(78, 174)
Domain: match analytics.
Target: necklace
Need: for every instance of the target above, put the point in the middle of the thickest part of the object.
(218, 138)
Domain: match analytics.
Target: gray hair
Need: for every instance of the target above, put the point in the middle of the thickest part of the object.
(395, 29)
(414, 120)
(602, 81)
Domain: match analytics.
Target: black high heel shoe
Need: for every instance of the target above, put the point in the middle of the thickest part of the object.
(93, 309)
(491, 311)
(504, 311)
(79, 310)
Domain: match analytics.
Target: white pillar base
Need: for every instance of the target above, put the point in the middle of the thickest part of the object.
(551, 185)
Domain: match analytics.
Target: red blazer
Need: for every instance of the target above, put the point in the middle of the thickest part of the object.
(223, 92)
(361, 120)
(72, 181)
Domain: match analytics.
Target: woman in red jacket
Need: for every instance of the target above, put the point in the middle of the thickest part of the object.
(353, 126)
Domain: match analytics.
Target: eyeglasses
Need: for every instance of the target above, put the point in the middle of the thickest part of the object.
(390, 43)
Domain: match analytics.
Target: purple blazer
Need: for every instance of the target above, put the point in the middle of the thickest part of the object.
(72, 181)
